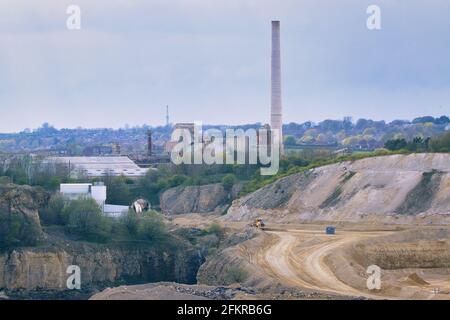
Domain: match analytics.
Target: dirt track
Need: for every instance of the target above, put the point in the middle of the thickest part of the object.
(306, 268)
(300, 256)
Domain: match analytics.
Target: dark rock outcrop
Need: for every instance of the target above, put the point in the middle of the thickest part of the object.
(23, 200)
(19, 216)
(197, 199)
(45, 268)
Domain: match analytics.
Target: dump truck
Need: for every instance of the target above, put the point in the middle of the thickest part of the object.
(259, 224)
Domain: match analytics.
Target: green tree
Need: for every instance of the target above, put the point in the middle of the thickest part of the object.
(395, 144)
(151, 184)
(85, 219)
(17, 230)
(118, 191)
(228, 181)
(130, 222)
(290, 141)
(52, 213)
(151, 227)
(440, 144)
(176, 180)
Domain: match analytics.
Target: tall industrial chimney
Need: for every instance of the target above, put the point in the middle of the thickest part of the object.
(276, 122)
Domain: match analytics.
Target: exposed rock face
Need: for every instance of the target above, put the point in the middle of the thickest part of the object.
(19, 217)
(196, 199)
(397, 188)
(46, 268)
(23, 200)
(219, 268)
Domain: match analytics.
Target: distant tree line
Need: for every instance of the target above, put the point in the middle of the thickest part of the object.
(34, 171)
(428, 119)
(418, 144)
(364, 133)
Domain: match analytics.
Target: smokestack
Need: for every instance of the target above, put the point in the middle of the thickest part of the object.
(276, 122)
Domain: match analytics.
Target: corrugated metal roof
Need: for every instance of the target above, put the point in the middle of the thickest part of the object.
(102, 166)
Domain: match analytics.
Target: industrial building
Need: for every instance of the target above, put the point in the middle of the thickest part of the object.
(96, 191)
(102, 150)
(101, 166)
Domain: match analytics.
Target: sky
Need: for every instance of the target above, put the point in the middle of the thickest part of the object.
(209, 60)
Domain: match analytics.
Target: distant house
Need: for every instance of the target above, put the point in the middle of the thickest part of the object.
(96, 191)
(92, 167)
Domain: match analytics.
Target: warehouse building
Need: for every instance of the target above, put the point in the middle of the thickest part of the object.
(96, 191)
(100, 166)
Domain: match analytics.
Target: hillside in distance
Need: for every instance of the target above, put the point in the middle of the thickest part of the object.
(364, 134)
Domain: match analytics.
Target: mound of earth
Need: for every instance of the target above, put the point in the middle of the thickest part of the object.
(415, 279)
(390, 189)
(405, 258)
(172, 291)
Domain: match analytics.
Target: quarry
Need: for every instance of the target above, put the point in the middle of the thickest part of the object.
(390, 211)
(305, 161)
(315, 234)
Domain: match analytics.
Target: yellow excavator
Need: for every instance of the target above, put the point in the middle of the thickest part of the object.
(258, 224)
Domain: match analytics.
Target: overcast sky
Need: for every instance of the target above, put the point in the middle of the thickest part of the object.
(209, 60)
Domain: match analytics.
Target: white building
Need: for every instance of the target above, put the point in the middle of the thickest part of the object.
(100, 166)
(96, 191)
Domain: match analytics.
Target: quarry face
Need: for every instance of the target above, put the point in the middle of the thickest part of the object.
(389, 213)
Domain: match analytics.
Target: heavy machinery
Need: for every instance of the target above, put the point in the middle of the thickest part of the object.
(259, 224)
(330, 230)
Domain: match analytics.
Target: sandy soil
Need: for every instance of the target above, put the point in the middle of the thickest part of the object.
(306, 268)
(298, 258)
(305, 258)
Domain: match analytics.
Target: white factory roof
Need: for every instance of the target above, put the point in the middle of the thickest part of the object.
(102, 166)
